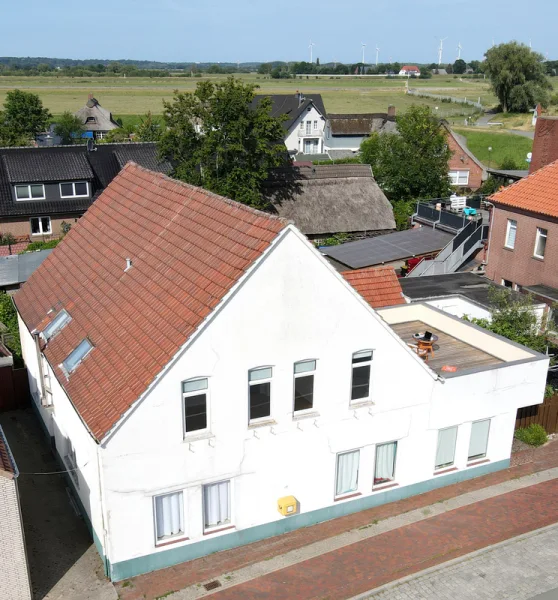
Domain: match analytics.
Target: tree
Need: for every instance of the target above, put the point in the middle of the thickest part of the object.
(459, 66)
(449, 69)
(148, 130)
(69, 128)
(412, 163)
(8, 316)
(216, 139)
(8, 137)
(265, 69)
(517, 76)
(24, 114)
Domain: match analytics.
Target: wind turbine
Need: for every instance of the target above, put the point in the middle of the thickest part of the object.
(377, 54)
(459, 48)
(311, 46)
(363, 47)
(440, 50)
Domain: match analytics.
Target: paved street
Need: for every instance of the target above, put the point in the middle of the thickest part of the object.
(524, 568)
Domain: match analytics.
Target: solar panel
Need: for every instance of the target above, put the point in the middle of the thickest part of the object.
(388, 248)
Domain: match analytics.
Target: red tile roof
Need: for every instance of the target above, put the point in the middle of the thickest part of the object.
(379, 286)
(536, 193)
(16, 248)
(188, 249)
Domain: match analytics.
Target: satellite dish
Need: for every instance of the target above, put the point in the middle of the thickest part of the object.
(529, 157)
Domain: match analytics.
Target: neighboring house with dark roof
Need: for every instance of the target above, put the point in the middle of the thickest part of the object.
(304, 124)
(324, 200)
(16, 269)
(345, 133)
(194, 359)
(465, 170)
(15, 583)
(40, 188)
(523, 241)
(96, 119)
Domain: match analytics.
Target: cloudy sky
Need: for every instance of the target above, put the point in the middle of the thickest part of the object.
(262, 30)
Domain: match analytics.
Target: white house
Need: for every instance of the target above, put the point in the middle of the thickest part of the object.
(305, 121)
(409, 70)
(210, 380)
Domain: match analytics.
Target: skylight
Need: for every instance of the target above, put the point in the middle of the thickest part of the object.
(76, 356)
(57, 324)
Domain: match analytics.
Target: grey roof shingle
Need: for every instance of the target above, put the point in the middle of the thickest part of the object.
(142, 155)
(42, 167)
(290, 105)
(17, 268)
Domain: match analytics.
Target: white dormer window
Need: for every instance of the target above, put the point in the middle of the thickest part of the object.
(74, 189)
(33, 191)
(56, 325)
(76, 356)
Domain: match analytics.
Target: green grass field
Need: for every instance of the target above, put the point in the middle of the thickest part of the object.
(504, 146)
(135, 95)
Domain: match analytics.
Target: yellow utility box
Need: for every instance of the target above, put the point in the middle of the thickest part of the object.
(287, 506)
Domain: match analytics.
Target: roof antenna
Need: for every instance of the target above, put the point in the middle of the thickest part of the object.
(128, 264)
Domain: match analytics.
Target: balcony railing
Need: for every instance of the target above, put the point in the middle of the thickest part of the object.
(314, 133)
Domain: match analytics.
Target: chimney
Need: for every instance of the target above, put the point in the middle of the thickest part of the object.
(391, 111)
(545, 144)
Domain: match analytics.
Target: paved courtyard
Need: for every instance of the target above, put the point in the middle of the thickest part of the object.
(519, 569)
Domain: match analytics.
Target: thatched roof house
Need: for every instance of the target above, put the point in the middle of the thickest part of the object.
(95, 118)
(323, 200)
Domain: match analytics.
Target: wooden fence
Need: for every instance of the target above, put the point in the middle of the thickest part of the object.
(14, 388)
(545, 414)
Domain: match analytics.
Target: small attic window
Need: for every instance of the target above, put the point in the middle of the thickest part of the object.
(91, 120)
(56, 325)
(76, 356)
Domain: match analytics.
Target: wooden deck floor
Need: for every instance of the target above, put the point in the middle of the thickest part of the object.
(447, 350)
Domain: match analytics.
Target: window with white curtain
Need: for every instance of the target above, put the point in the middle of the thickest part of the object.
(347, 472)
(360, 385)
(511, 232)
(384, 470)
(445, 453)
(169, 515)
(217, 504)
(479, 439)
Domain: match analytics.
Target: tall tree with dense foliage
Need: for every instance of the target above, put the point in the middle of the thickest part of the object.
(8, 317)
(69, 128)
(412, 163)
(217, 140)
(149, 130)
(459, 66)
(24, 114)
(517, 76)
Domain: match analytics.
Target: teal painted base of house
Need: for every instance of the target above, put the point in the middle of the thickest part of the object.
(168, 558)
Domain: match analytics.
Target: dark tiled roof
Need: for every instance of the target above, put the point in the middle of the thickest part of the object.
(290, 105)
(188, 248)
(43, 167)
(361, 124)
(68, 163)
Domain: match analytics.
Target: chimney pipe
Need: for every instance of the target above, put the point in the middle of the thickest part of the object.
(128, 264)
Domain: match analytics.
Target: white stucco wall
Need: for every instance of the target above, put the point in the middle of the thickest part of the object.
(292, 308)
(295, 142)
(62, 421)
(459, 307)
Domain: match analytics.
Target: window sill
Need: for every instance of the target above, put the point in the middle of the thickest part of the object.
(339, 498)
(443, 470)
(169, 542)
(508, 248)
(263, 423)
(299, 416)
(361, 403)
(480, 461)
(384, 486)
(197, 437)
(218, 530)
(538, 258)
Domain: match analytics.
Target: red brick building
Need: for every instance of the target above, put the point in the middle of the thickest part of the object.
(523, 242)
(545, 144)
(464, 169)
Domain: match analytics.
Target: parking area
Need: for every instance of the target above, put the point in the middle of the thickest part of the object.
(63, 561)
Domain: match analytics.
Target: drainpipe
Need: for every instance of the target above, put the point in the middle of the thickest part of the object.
(491, 216)
(102, 507)
(40, 361)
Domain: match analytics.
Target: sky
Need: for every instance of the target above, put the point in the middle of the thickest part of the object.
(261, 31)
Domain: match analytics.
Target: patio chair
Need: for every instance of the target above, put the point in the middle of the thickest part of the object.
(420, 351)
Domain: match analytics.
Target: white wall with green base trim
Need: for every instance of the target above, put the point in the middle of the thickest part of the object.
(152, 562)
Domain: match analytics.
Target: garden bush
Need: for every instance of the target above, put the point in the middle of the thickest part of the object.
(534, 435)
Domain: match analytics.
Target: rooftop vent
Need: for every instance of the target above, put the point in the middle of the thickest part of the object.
(128, 264)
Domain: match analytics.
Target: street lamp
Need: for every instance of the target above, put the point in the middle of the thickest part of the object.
(489, 157)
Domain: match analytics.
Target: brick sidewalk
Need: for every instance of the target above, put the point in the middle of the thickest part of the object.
(155, 584)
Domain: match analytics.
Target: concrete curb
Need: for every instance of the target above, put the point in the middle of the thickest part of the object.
(460, 559)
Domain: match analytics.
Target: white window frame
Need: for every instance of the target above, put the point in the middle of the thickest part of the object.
(308, 127)
(357, 365)
(198, 392)
(300, 374)
(479, 456)
(540, 235)
(258, 382)
(301, 126)
(315, 125)
(73, 184)
(511, 224)
(56, 325)
(351, 492)
(227, 524)
(455, 175)
(41, 231)
(393, 478)
(28, 186)
(449, 465)
(164, 539)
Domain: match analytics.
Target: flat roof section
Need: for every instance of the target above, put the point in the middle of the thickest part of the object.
(388, 248)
